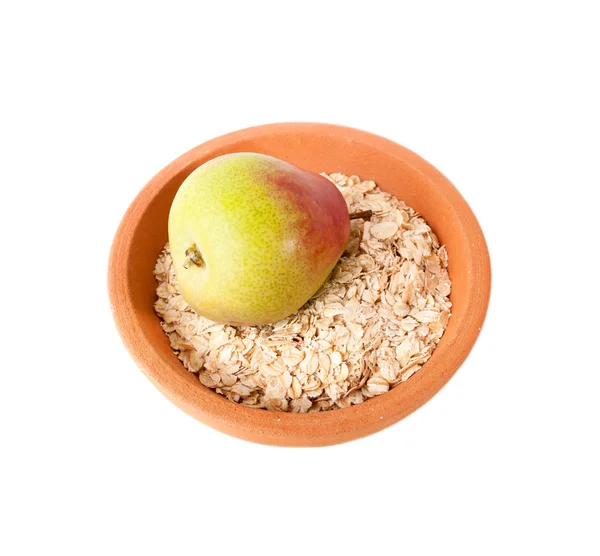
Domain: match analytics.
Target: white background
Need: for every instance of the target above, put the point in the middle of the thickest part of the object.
(97, 97)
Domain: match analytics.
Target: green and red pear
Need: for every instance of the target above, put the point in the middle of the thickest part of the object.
(253, 237)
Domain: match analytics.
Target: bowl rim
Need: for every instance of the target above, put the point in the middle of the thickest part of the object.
(292, 429)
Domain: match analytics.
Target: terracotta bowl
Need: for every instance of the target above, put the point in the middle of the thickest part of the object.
(317, 147)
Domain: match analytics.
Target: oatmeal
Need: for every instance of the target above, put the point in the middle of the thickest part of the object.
(371, 326)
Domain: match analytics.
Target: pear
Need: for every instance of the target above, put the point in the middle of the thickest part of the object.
(253, 237)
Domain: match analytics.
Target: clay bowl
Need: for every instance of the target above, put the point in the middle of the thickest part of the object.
(316, 147)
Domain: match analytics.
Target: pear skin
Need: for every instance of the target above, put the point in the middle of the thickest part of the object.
(253, 237)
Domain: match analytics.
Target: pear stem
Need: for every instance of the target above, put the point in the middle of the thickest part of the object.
(193, 256)
(364, 214)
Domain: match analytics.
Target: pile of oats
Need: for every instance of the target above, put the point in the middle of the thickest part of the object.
(371, 326)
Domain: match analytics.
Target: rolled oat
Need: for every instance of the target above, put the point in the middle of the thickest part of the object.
(371, 326)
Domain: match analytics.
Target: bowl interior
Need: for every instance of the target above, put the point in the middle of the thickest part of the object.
(319, 148)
